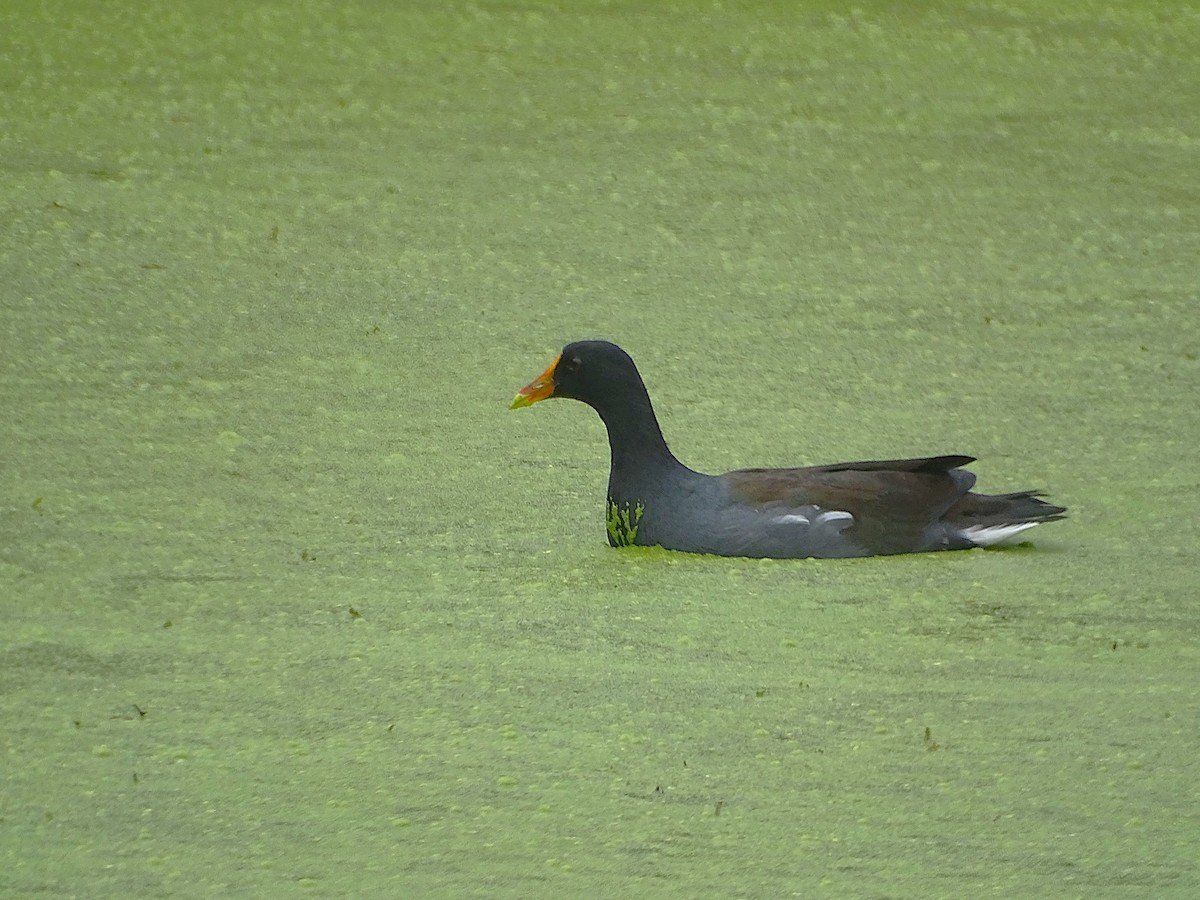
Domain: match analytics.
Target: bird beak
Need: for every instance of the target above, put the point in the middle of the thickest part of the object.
(538, 389)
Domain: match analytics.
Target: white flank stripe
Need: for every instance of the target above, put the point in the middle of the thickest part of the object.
(794, 519)
(835, 515)
(822, 517)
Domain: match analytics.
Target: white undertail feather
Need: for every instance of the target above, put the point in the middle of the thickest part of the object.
(995, 535)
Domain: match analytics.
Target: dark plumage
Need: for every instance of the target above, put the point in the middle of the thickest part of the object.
(846, 509)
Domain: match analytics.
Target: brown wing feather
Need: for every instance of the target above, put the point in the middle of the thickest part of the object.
(919, 464)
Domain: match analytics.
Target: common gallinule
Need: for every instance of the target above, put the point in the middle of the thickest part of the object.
(845, 509)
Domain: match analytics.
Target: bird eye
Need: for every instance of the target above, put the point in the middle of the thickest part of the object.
(572, 363)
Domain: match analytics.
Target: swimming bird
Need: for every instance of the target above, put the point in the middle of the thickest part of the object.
(870, 508)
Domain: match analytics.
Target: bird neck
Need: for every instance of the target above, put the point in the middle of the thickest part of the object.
(634, 437)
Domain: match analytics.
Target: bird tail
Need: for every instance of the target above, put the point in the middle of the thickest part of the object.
(989, 520)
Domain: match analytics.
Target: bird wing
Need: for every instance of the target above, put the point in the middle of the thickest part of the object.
(893, 503)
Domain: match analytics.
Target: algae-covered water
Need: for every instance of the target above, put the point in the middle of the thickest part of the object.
(293, 605)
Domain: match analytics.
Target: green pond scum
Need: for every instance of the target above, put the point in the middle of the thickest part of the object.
(622, 522)
(270, 273)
